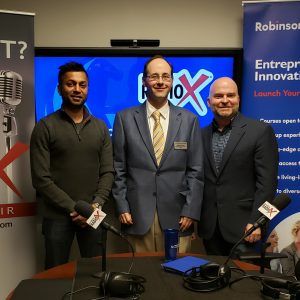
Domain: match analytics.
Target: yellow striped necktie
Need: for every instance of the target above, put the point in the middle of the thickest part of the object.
(158, 136)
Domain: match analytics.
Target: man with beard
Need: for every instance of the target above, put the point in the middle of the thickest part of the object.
(240, 168)
(71, 160)
(158, 164)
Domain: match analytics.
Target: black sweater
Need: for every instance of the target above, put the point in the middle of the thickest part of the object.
(70, 164)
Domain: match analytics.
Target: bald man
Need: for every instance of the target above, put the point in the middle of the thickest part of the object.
(240, 169)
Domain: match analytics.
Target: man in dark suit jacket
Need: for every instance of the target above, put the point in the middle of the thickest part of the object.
(240, 167)
(154, 194)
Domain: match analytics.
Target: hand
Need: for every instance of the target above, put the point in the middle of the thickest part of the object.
(78, 219)
(185, 223)
(126, 218)
(96, 206)
(255, 236)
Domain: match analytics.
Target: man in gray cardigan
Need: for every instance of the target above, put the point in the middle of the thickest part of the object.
(71, 160)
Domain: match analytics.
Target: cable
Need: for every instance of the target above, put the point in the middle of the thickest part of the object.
(80, 290)
(132, 252)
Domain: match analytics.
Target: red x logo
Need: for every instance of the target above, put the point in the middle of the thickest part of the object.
(190, 89)
(17, 150)
(271, 211)
(97, 214)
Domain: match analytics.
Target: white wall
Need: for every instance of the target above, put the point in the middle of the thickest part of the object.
(92, 23)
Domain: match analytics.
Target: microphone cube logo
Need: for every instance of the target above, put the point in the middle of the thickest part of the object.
(96, 218)
(269, 210)
(186, 89)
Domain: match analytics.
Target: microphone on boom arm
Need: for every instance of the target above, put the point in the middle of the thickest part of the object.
(212, 276)
(115, 284)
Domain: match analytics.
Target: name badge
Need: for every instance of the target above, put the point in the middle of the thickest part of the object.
(180, 145)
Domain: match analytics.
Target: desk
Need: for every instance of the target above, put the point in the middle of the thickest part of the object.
(160, 284)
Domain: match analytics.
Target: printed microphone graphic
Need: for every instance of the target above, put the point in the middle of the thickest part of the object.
(269, 211)
(10, 96)
(94, 217)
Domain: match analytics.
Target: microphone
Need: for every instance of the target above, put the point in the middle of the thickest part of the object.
(269, 211)
(212, 276)
(95, 217)
(280, 202)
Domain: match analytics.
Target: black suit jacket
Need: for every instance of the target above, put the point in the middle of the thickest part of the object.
(247, 178)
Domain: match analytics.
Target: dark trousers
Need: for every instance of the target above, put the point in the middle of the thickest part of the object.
(59, 236)
(217, 245)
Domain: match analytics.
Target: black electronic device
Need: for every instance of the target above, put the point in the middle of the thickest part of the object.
(134, 43)
(86, 209)
(280, 202)
(207, 278)
(121, 284)
(279, 288)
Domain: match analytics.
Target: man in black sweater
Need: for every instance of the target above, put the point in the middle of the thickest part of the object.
(71, 160)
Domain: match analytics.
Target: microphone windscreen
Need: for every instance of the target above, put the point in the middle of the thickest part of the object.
(281, 201)
(84, 209)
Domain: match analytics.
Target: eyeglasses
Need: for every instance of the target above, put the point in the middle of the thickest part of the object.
(164, 77)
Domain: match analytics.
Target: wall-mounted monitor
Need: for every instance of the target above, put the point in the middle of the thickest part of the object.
(115, 77)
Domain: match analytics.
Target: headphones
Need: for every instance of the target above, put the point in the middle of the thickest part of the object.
(278, 287)
(121, 284)
(207, 278)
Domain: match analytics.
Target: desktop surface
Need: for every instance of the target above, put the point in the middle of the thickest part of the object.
(159, 284)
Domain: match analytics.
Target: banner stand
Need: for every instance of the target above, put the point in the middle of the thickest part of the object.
(271, 93)
(17, 118)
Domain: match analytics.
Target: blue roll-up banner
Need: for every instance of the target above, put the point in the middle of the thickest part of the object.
(271, 93)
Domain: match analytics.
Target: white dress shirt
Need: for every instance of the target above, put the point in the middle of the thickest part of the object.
(164, 118)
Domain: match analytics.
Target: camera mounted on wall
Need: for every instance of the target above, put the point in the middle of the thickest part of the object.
(134, 43)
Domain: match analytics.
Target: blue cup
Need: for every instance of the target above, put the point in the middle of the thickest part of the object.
(171, 244)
